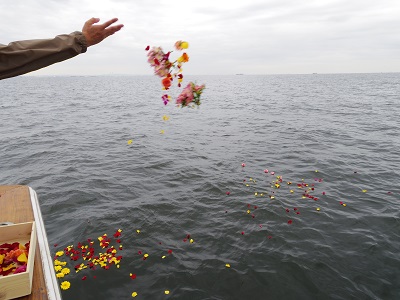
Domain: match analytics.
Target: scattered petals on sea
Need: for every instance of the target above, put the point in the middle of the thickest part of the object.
(271, 201)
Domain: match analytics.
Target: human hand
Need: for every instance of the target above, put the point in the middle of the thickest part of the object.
(94, 34)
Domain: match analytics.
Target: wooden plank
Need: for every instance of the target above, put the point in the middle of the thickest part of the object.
(16, 207)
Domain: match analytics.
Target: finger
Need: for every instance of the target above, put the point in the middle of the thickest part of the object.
(113, 29)
(90, 22)
(109, 22)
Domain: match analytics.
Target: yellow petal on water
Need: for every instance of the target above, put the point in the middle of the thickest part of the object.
(191, 241)
(163, 257)
(134, 294)
(162, 131)
(130, 142)
(248, 211)
(165, 117)
(138, 231)
(255, 194)
(228, 265)
(65, 285)
(364, 191)
(292, 191)
(318, 209)
(344, 204)
(166, 292)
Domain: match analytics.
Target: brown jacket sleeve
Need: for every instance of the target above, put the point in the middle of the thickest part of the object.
(21, 57)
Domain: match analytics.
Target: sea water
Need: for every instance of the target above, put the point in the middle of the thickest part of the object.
(276, 187)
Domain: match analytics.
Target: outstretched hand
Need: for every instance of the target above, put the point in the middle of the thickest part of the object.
(94, 34)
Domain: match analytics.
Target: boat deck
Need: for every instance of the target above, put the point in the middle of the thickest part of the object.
(18, 204)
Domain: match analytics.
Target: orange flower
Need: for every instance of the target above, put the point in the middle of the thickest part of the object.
(166, 82)
(183, 58)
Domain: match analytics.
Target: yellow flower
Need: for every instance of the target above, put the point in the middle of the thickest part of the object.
(60, 275)
(57, 268)
(65, 285)
(228, 265)
(184, 45)
(60, 253)
(134, 294)
(65, 271)
(59, 263)
(166, 292)
(130, 142)
(165, 118)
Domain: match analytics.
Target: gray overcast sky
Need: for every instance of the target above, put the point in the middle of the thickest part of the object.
(225, 37)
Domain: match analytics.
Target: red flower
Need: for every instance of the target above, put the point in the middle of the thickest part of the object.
(147, 48)
(290, 222)
(169, 251)
(133, 276)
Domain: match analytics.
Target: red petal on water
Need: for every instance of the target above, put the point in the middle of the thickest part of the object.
(228, 193)
(84, 277)
(269, 237)
(295, 208)
(242, 232)
(55, 245)
(287, 210)
(255, 207)
(139, 252)
(185, 240)
(290, 222)
(188, 236)
(169, 251)
(133, 276)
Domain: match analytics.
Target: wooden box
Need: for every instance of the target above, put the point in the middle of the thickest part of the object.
(18, 285)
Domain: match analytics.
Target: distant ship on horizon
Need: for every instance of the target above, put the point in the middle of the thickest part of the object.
(239, 74)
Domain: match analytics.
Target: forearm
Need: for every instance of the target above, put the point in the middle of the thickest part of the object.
(21, 57)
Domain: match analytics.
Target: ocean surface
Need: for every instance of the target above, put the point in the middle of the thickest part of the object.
(276, 187)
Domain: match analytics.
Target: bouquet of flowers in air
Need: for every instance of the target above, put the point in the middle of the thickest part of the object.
(169, 70)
